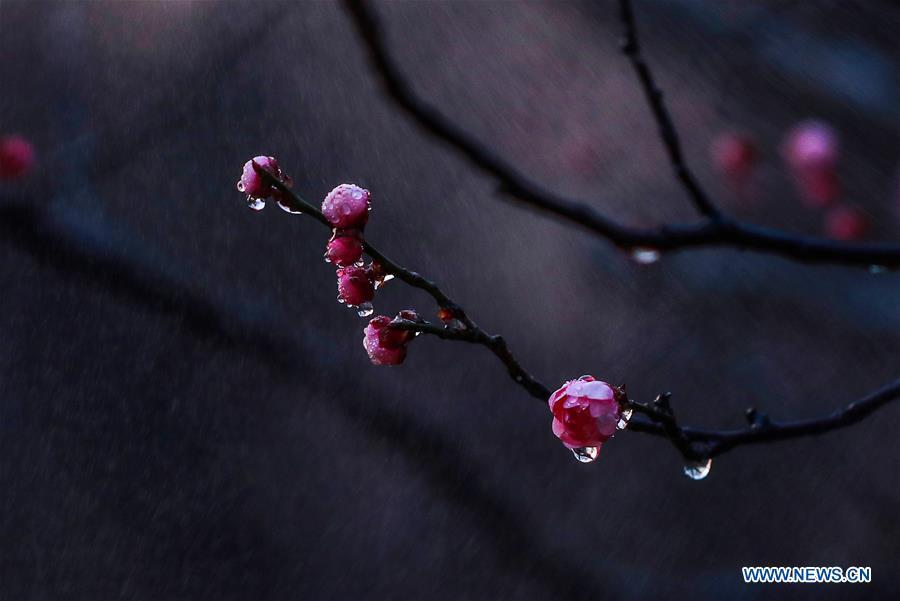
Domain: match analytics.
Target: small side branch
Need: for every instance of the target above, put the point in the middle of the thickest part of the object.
(631, 46)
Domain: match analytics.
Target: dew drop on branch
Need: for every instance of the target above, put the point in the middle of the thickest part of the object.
(586, 454)
(383, 280)
(644, 256)
(624, 418)
(288, 208)
(698, 470)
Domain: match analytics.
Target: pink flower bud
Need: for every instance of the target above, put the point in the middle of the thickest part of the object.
(818, 188)
(345, 248)
(16, 157)
(585, 412)
(734, 156)
(347, 206)
(354, 286)
(386, 345)
(846, 223)
(382, 348)
(251, 182)
(811, 145)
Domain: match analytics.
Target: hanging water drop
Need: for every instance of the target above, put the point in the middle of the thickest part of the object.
(365, 309)
(257, 204)
(697, 470)
(624, 418)
(240, 185)
(286, 207)
(645, 256)
(586, 454)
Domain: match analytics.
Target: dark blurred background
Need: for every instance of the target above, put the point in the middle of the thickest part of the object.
(186, 412)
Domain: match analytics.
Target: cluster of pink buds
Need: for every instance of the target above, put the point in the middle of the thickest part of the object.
(587, 413)
(255, 187)
(384, 342)
(16, 157)
(812, 152)
(347, 210)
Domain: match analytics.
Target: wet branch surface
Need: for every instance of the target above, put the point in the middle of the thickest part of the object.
(715, 230)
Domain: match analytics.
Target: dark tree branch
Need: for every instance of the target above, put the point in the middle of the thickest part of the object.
(631, 46)
(496, 344)
(717, 230)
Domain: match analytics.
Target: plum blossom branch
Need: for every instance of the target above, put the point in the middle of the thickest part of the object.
(716, 230)
(586, 412)
(693, 444)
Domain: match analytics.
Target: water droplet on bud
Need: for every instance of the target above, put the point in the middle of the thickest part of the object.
(365, 309)
(586, 454)
(257, 204)
(644, 256)
(698, 470)
(240, 185)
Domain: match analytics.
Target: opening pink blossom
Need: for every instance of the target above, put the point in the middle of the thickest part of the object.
(585, 412)
(384, 344)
